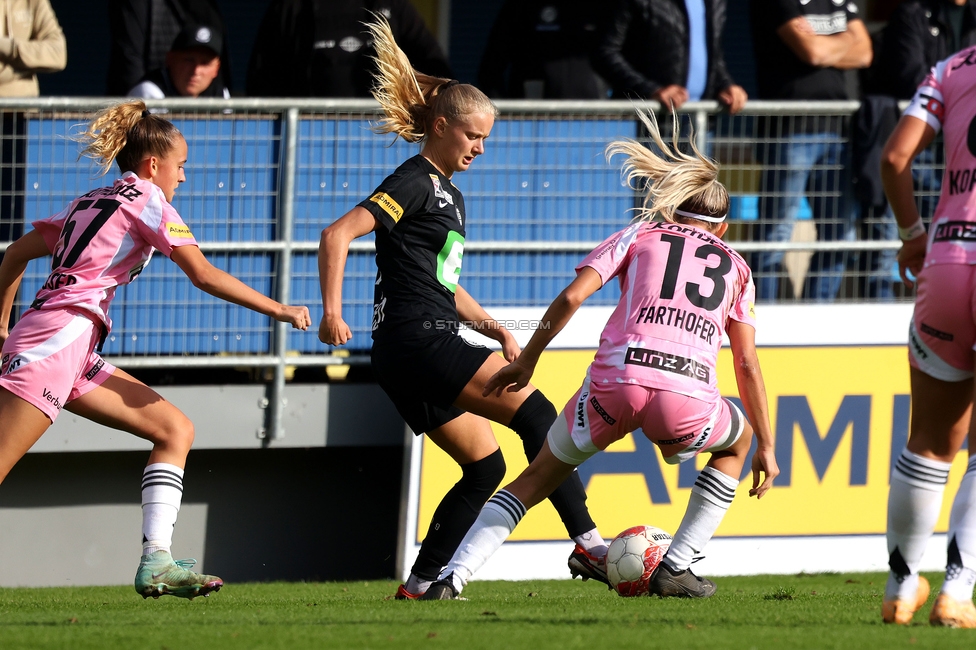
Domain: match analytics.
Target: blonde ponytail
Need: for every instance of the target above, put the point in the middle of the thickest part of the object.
(673, 180)
(126, 132)
(412, 100)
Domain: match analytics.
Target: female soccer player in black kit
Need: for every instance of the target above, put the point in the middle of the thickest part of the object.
(432, 375)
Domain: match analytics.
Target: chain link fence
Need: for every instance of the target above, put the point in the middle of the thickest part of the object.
(265, 176)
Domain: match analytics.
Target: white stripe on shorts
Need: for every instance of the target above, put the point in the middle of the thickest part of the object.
(929, 362)
(67, 335)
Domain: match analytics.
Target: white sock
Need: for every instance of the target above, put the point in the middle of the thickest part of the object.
(961, 565)
(710, 499)
(914, 501)
(592, 542)
(496, 522)
(416, 585)
(162, 493)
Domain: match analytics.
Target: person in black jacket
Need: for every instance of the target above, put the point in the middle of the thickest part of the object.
(804, 48)
(919, 34)
(192, 68)
(321, 48)
(144, 30)
(669, 51)
(541, 49)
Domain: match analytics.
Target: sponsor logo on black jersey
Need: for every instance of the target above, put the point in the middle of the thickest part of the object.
(389, 206)
(668, 362)
(445, 197)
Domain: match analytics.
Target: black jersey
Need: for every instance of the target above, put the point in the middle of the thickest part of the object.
(783, 75)
(418, 251)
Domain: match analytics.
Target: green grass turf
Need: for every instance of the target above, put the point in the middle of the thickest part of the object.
(805, 611)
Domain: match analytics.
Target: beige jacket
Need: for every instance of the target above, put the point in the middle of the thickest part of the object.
(31, 41)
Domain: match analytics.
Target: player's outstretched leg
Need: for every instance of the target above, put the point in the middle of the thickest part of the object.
(710, 499)
(160, 575)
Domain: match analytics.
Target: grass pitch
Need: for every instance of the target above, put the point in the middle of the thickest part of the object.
(805, 611)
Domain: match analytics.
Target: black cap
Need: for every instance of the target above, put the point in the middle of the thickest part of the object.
(198, 36)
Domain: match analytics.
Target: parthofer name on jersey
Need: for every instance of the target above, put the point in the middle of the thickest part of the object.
(125, 190)
(955, 231)
(670, 362)
(680, 318)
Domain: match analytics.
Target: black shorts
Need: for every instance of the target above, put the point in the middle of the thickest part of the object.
(424, 376)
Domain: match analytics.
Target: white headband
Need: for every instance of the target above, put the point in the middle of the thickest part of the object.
(703, 217)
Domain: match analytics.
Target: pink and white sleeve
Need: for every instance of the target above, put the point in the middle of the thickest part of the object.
(163, 227)
(50, 228)
(744, 307)
(928, 103)
(609, 257)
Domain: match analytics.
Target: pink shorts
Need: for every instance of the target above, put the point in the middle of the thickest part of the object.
(680, 426)
(49, 359)
(943, 329)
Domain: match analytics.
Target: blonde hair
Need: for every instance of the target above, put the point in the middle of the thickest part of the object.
(126, 133)
(673, 180)
(412, 100)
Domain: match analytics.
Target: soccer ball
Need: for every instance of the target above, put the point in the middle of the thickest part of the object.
(632, 557)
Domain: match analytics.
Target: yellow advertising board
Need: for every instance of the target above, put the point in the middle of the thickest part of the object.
(840, 413)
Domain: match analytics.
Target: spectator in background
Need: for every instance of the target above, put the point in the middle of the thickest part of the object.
(919, 34)
(321, 48)
(804, 48)
(192, 67)
(669, 51)
(144, 30)
(31, 42)
(541, 49)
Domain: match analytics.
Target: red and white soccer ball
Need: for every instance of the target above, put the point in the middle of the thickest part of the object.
(632, 557)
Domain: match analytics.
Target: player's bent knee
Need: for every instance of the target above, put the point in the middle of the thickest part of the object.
(174, 432)
(744, 443)
(485, 475)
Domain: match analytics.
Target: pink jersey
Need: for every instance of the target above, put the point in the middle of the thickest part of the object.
(103, 240)
(679, 286)
(947, 100)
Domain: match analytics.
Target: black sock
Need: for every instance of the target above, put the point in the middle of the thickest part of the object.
(456, 512)
(531, 422)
